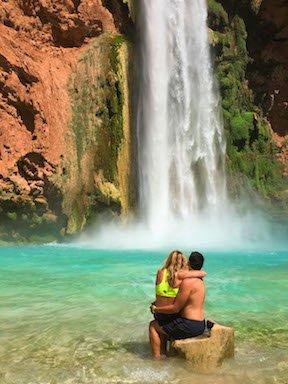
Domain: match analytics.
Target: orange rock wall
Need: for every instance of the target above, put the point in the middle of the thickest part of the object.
(40, 44)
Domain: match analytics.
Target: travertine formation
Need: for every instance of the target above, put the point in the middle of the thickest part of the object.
(204, 353)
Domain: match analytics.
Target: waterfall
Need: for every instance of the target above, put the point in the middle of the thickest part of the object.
(181, 142)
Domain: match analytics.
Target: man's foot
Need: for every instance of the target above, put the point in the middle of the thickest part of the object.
(210, 324)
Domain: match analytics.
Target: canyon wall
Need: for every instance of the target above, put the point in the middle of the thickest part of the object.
(65, 141)
(249, 42)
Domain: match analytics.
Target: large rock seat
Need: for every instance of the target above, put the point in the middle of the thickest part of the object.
(206, 352)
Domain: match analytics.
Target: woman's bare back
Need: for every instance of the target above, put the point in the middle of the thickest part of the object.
(162, 300)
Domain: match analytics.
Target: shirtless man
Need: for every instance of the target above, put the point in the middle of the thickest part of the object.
(189, 303)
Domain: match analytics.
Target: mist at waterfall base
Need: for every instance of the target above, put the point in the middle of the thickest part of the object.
(229, 229)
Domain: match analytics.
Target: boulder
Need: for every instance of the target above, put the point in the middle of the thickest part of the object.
(206, 352)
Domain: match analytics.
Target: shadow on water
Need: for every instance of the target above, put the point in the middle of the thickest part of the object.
(139, 348)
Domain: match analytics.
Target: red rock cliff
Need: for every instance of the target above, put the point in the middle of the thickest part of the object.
(41, 42)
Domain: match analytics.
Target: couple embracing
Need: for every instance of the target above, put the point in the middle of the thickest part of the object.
(179, 306)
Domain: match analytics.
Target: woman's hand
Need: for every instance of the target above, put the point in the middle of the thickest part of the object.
(152, 308)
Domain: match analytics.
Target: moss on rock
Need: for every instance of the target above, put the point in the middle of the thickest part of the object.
(219, 17)
(97, 103)
(250, 148)
(22, 220)
(99, 95)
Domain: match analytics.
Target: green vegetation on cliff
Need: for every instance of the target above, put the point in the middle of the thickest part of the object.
(97, 104)
(250, 149)
(98, 97)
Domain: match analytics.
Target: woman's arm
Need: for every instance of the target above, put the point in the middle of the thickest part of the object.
(181, 275)
(159, 277)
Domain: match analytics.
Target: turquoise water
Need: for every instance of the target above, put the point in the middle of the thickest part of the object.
(76, 315)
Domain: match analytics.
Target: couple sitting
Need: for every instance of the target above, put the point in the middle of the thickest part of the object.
(179, 306)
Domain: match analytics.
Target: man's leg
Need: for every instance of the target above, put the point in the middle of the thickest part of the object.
(157, 336)
(164, 340)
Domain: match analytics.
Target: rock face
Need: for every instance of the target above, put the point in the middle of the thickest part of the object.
(268, 45)
(268, 73)
(266, 24)
(249, 47)
(49, 174)
(100, 123)
(207, 353)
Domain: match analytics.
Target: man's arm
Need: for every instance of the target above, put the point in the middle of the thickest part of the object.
(181, 275)
(181, 298)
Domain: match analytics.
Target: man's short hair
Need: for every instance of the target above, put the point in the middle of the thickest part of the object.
(196, 260)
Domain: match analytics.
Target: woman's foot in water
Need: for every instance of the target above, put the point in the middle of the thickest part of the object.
(160, 357)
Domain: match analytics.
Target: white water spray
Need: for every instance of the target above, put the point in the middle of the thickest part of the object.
(180, 133)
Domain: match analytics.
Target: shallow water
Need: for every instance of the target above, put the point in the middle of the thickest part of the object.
(76, 315)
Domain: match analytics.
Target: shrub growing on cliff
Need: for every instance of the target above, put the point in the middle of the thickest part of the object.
(218, 14)
(249, 144)
(240, 125)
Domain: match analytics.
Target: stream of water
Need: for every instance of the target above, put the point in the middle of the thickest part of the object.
(180, 132)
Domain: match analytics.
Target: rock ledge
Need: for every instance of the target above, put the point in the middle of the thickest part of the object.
(206, 353)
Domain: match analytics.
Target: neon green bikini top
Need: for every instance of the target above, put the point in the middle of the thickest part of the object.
(164, 289)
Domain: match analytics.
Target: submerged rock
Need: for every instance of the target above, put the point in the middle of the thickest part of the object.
(207, 353)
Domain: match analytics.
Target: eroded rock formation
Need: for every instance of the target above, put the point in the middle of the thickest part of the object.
(45, 187)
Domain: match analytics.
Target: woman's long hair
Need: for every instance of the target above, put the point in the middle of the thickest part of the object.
(174, 263)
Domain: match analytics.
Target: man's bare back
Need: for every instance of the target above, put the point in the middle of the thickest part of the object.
(194, 306)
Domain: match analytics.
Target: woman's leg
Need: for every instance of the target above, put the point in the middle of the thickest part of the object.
(158, 339)
(155, 340)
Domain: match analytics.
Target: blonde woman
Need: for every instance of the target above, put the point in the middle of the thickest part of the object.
(168, 281)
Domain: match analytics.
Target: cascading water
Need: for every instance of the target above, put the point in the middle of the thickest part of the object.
(181, 145)
(180, 133)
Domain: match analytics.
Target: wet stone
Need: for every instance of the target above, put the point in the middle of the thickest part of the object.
(206, 352)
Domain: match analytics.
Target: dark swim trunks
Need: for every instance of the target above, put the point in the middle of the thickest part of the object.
(182, 328)
(163, 318)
